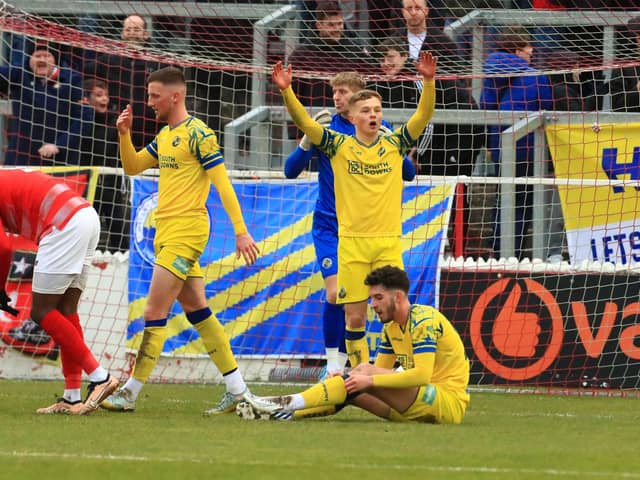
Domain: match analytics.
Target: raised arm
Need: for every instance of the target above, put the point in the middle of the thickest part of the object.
(133, 162)
(282, 79)
(426, 66)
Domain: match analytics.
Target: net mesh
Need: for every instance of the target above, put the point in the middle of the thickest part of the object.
(534, 111)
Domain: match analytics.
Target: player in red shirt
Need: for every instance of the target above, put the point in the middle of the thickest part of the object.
(66, 228)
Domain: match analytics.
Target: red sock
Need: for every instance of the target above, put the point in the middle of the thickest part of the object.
(71, 370)
(70, 341)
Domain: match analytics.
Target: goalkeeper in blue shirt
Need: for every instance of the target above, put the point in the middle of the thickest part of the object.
(325, 223)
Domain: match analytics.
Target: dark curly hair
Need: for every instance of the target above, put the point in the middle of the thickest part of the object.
(390, 277)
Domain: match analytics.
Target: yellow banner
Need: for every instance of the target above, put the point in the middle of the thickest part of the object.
(601, 221)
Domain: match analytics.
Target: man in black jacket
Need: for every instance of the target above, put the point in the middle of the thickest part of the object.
(99, 148)
(326, 52)
(127, 78)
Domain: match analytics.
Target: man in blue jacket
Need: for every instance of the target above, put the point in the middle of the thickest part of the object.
(325, 222)
(46, 121)
(518, 87)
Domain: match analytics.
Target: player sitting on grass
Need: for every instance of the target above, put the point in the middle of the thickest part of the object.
(430, 387)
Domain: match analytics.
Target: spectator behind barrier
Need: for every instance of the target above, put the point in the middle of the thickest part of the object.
(329, 50)
(45, 124)
(99, 148)
(515, 91)
(126, 77)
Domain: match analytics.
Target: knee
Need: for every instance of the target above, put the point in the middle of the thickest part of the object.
(332, 296)
(38, 312)
(355, 319)
(331, 292)
(363, 369)
(68, 308)
(152, 314)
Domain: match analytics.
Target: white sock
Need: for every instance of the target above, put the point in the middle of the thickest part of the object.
(296, 402)
(98, 375)
(342, 360)
(72, 395)
(234, 382)
(333, 362)
(134, 386)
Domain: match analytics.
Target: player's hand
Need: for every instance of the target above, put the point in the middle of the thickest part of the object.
(282, 76)
(125, 120)
(48, 150)
(426, 65)
(358, 383)
(4, 304)
(246, 247)
(385, 130)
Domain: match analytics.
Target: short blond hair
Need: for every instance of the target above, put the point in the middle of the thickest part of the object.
(353, 80)
(363, 95)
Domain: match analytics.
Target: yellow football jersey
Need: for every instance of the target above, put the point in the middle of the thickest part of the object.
(428, 331)
(368, 182)
(184, 153)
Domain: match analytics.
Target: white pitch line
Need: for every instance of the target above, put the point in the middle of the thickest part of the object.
(376, 467)
(601, 416)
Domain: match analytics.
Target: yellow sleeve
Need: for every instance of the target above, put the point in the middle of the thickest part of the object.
(417, 376)
(424, 111)
(385, 360)
(134, 162)
(220, 179)
(301, 118)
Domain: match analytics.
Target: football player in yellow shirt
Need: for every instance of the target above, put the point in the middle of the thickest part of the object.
(431, 385)
(368, 189)
(187, 154)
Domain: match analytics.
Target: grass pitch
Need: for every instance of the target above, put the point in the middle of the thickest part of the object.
(504, 436)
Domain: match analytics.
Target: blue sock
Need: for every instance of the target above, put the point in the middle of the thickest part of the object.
(333, 326)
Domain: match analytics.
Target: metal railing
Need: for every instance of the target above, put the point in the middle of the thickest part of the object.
(518, 123)
(476, 20)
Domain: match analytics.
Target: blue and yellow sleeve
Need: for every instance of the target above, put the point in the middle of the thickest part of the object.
(135, 162)
(417, 376)
(302, 119)
(220, 179)
(424, 111)
(203, 144)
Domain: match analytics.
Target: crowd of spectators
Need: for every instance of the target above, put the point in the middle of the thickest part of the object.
(63, 109)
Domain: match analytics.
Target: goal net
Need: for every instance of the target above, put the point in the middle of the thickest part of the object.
(520, 225)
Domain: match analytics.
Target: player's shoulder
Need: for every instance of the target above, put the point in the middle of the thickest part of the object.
(423, 313)
(198, 128)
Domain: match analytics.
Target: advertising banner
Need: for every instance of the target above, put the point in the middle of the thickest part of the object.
(555, 330)
(274, 307)
(602, 222)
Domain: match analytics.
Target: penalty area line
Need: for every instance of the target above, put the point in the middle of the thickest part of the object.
(548, 472)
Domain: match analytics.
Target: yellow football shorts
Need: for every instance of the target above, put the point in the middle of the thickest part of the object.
(357, 257)
(436, 404)
(178, 244)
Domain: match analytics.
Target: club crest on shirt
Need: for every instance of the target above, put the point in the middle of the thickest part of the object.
(144, 228)
(326, 263)
(342, 293)
(355, 168)
(381, 151)
(176, 141)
